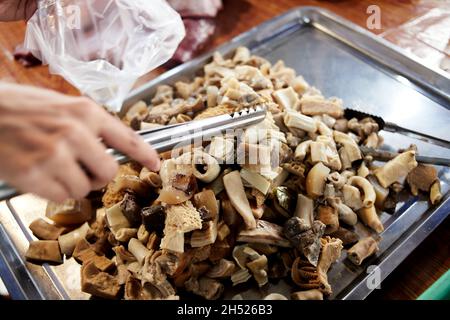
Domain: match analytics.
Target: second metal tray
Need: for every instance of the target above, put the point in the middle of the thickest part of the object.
(343, 60)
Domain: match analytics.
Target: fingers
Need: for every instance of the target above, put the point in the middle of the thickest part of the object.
(125, 140)
(64, 169)
(115, 134)
(73, 179)
(51, 190)
(92, 156)
(63, 157)
(40, 183)
(101, 172)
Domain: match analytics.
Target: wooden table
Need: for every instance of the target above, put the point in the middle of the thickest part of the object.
(431, 259)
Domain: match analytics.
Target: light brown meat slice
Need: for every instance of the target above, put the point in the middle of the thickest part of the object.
(265, 232)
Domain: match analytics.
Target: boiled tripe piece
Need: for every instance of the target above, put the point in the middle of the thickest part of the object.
(326, 152)
(206, 236)
(98, 283)
(208, 201)
(299, 121)
(221, 148)
(44, 251)
(265, 232)
(68, 241)
(363, 249)
(151, 178)
(352, 197)
(223, 269)
(304, 210)
(235, 190)
(178, 181)
(369, 216)
(316, 105)
(69, 212)
(46, 231)
(397, 168)
(313, 294)
(180, 219)
(302, 149)
(380, 192)
(287, 98)
(125, 234)
(435, 192)
(138, 250)
(256, 180)
(345, 213)
(116, 219)
(349, 146)
(315, 180)
(331, 251)
(369, 195)
(329, 217)
(210, 166)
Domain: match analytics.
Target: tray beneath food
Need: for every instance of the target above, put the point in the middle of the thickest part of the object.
(341, 60)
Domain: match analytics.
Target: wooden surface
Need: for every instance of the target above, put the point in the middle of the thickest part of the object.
(426, 264)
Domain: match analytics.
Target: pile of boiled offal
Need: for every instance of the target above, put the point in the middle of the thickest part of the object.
(213, 218)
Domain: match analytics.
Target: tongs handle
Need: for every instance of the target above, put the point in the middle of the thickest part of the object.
(395, 128)
(167, 137)
(185, 134)
(384, 155)
(7, 192)
(392, 127)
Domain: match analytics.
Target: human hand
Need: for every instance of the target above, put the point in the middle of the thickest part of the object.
(49, 143)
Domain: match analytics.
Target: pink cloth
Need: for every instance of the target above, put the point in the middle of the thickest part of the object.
(197, 33)
(199, 23)
(196, 8)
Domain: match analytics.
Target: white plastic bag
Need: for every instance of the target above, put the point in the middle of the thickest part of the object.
(103, 46)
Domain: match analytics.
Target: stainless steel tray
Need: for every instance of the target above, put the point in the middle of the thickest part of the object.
(339, 58)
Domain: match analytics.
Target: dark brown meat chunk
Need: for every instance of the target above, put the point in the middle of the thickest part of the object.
(293, 227)
(346, 236)
(304, 237)
(422, 177)
(153, 219)
(131, 209)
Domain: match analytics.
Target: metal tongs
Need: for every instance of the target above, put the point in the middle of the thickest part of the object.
(166, 138)
(384, 155)
(395, 128)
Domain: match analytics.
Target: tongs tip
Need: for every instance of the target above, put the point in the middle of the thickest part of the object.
(249, 111)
